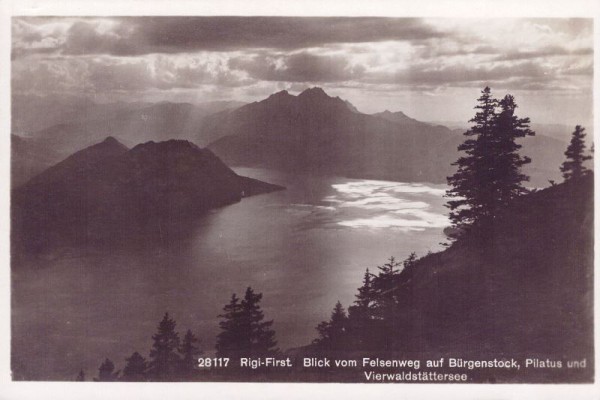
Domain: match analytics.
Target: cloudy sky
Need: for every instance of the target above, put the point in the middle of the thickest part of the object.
(432, 69)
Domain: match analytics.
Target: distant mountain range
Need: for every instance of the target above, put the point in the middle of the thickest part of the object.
(59, 128)
(398, 117)
(108, 191)
(560, 132)
(158, 122)
(32, 114)
(130, 124)
(318, 134)
(308, 133)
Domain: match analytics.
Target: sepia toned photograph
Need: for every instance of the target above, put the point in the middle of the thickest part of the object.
(302, 199)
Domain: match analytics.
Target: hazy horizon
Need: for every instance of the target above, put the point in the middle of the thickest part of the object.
(452, 124)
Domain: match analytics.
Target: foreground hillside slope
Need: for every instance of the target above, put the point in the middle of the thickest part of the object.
(521, 290)
(529, 290)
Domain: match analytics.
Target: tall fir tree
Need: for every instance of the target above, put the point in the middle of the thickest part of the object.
(361, 314)
(164, 361)
(386, 286)
(573, 167)
(190, 352)
(468, 183)
(135, 369)
(362, 309)
(408, 268)
(106, 372)
(232, 338)
(489, 175)
(332, 333)
(506, 175)
(262, 335)
(244, 332)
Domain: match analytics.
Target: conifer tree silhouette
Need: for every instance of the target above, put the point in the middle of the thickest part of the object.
(489, 175)
(190, 352)
(136, 368)
(332, 333)
(573, 167)
(244, 332)
(106, 372)
(164, 361)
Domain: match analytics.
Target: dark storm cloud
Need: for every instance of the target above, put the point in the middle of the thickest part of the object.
(84, 38)
(144, 35)
(299, 67)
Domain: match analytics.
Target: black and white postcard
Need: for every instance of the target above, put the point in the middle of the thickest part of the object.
(281, 197)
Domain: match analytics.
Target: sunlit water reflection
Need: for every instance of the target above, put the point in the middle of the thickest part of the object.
(389, 205)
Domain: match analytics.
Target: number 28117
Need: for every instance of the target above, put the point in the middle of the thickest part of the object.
(217, 362)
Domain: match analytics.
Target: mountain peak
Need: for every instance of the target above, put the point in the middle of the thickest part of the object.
(313, 92)
(111, 140)
(172, 144)
(81, 160)
(388, 112)
(280, 95)
(396, 116)
(109, 143)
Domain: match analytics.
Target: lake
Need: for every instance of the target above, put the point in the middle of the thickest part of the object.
(304, 248)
